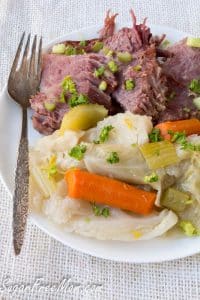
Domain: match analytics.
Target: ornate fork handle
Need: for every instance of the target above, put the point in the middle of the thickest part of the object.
(20, 199)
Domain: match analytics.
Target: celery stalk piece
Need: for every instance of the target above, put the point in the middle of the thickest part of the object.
(175, 200)
(159, 155)
(46, 185)
(193, 42)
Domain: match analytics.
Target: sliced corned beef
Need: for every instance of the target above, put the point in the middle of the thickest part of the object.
(181, 68)
(81, 69)
(184, 64)
(129, 39)
(148, 95)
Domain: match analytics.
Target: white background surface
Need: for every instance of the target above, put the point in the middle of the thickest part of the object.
(43, 257)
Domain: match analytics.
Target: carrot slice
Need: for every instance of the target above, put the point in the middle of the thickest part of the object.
(191, 126)
(104, 190)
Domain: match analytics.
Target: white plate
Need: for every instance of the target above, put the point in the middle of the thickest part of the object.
(156, 250)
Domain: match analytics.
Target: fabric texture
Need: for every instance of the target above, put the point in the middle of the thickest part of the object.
(67, 273)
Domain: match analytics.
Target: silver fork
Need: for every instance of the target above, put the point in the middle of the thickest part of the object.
(23, 82)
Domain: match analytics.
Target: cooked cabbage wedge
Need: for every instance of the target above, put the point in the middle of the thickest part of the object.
(83, 117)
(159, 155)
(45, 183)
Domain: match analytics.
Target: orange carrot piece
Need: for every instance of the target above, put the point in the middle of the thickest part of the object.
(104, 190)
(191, 126)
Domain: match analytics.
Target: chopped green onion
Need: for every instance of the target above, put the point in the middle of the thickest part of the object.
(189, 228)
(103, 85)
(58, 49)
(159, 155)
(68, 85)
(113, 158)
(104, 134)
(175, 200)
(124, 57)
(50, 106)
(196, 102)
(151, 178)
(99, 72)
(70, 50)
(78, 151)
(193, 42)
(112, 66)
(129, 84)
(82, 43)
(97, 46)
(78, 100)
(137, 68)
(106, 50)
(194, 86)
(155, 135)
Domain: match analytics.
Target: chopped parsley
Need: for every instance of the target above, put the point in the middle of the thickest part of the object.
(113, 158)
(180, 138)
(129, 84)
(77, 100)
(155, 136)
(104, 134)
(194, 86)
(112, 66)
(99, 72)
(151, 178)
(68, 85)
(78, 151)
(105, 212)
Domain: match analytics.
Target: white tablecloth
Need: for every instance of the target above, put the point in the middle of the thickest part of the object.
(44, 261)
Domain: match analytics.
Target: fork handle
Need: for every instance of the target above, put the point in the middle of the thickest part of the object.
(20, 199)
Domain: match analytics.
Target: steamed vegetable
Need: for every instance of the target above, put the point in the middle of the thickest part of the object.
(193, 42)
(131, 167)
(95, 188)
(128, 129)
(189, 127)
(159, 155)
(175, 199)
(45, 183)
(58, 49)
(196, 102)
(50, 106)
(83, 117)
(124, 57)
(112, 66)
(188, 228)
(103, 85)
(97, 46)
(194, 86)
(129, 84)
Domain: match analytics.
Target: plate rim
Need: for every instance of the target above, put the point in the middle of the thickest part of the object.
(34, 219)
